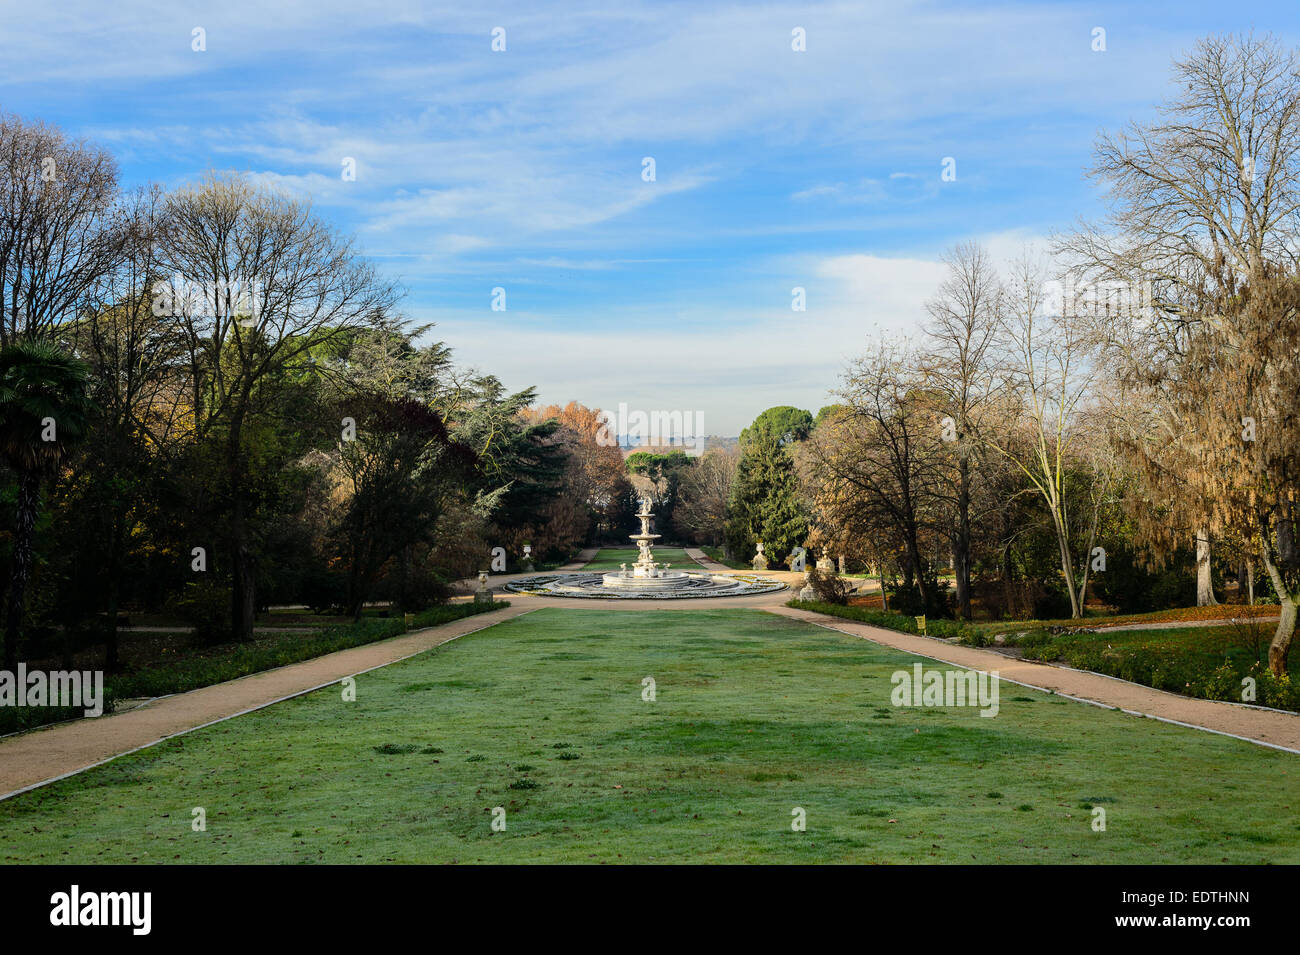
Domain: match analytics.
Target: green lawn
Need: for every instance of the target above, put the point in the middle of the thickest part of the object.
(608, 558)
(755, 715)
(715, 553)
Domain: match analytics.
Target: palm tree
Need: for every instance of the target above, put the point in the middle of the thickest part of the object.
(44, 406)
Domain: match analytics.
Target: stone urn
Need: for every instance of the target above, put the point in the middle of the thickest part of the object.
(760, 559)
(483, 595)
(824, 563)
(528, 558)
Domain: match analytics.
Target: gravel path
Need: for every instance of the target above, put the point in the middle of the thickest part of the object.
(1181, 624)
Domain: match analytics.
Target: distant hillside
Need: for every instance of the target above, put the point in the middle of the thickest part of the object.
(704, 444)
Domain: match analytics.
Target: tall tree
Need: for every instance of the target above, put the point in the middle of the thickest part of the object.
(262, 282)
(60, 231)
(765, 502)
(1049, 372)
(964, 321)
(134, 357)
(43, 410)
(1204, 199)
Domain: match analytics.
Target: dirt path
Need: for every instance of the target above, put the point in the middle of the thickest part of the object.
(1180, 624)
(30, 759)
(1271, 727)
(585, 557)
(704, 560)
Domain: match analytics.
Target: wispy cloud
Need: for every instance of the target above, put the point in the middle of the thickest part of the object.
(523, 168)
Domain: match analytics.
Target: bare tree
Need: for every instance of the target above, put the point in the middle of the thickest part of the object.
(873, 467)
(964, 321)
(262, 281)
(704, 492)
(59, 229)
(1049, 377)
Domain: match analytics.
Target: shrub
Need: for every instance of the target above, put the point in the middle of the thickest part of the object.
(205, 606)
(1131, 588)
(829, 588)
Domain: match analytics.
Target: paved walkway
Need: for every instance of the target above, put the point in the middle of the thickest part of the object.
(585, 557)
(1182, 624)
(704, 560)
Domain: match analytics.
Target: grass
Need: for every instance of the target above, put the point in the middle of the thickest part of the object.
(608, 558)
(716, 553)
(754, 716)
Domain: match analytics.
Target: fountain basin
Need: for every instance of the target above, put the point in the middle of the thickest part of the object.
(674, 585)
(666, 580)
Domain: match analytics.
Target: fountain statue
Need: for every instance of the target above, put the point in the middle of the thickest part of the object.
(645, 565)
(646, 573)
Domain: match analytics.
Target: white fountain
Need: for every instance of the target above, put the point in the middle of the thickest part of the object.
(646, 573)
(646, 579)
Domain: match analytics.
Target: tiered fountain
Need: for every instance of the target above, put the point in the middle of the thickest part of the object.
(645, 574)
(646, 579)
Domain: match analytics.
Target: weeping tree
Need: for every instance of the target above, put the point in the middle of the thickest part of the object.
(43, 412)
(1204, 199)
(1240, 375)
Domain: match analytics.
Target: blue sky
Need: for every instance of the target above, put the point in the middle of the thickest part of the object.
(522, 169)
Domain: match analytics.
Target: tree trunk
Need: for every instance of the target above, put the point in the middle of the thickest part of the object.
(961, 546)
(1281, 645)
(243, 606)
(243, 609)
(1067, 567)
(116, 559)
(914, 555)
(1204, 582)
(29, 487)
